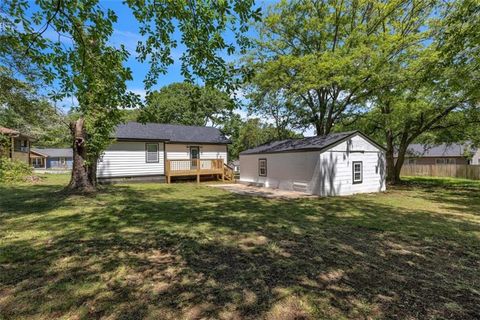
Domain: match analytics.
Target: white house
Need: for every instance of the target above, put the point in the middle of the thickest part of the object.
(155, 151)
(336, 164)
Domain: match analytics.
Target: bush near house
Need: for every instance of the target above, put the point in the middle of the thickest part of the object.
(13, 170)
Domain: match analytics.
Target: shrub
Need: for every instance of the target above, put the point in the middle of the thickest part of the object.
(14, 170)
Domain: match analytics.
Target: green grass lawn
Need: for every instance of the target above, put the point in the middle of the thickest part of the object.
(184, 251)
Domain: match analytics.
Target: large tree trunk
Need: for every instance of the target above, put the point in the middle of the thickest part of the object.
(390, 155)
(83, 178)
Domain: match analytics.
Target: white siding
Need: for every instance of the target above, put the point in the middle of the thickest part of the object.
(327, 173)
(284, 170)
(128, 159)
(207, 151)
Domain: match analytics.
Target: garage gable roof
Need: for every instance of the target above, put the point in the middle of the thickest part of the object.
(169, 132)
(316, 143)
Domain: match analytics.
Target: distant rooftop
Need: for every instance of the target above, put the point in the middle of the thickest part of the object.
(54, 152)
(440, 150)
(170, 132)
(12, 132)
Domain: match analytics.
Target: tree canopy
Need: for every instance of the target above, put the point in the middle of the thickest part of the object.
(322, 57)
(188, 104)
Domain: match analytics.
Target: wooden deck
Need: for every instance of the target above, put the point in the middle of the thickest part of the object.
(198, 168)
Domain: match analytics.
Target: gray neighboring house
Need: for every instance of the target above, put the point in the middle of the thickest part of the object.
(336, 164)
(454, 153)
(51, 158)
(148, 151)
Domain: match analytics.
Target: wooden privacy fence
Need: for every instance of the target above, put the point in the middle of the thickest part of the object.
(442, 170)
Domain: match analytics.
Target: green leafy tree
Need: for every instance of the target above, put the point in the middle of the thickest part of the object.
(434, 81)
(188, 104)
(253, 132)
(21, 108)
(88, 68)
(324, 57)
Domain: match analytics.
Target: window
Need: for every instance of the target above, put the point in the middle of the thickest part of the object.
(151, 152)
(412, 161)
(24, 146)
(440, 161)
(450, 161)
(357, 172)
(63, 161)
(262, 167)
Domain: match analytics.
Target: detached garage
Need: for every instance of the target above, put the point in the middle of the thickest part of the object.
(336, 164)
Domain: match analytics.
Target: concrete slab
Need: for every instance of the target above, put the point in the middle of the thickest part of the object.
(261, 192)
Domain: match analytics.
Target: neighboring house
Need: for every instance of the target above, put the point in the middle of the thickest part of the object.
(335, 164)
(51, 158)
(15, 145)
(160, 151)
(441, 154)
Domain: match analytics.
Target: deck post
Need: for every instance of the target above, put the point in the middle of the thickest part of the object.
(198, 170)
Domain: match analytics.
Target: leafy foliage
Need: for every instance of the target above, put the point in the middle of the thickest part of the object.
(323, 57)
(13, 170)
(202, 25)
(251, 133)
(435, 83)
(188, 104)
(21, 108)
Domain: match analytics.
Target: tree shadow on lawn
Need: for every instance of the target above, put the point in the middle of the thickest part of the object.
(158, 254)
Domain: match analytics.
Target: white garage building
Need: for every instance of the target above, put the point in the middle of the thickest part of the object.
(336, 164)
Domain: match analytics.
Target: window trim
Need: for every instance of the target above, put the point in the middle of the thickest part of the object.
(259, 166)
(353, 172)
(146, 152)
(190, 151)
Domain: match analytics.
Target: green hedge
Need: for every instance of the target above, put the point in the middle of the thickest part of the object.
(13, 170)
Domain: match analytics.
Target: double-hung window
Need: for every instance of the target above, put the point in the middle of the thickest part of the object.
(357, 172)
(151, 152)
(262, 167)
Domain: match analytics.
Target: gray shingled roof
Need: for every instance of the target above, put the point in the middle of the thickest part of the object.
(441, 150)
(304, 144)
(170, 132)
(54, 152)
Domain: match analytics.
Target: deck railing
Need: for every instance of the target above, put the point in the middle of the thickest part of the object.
(193, 167)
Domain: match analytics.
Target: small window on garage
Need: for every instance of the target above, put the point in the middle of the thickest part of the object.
(357, 172)
(151, 152)
(262, 167)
